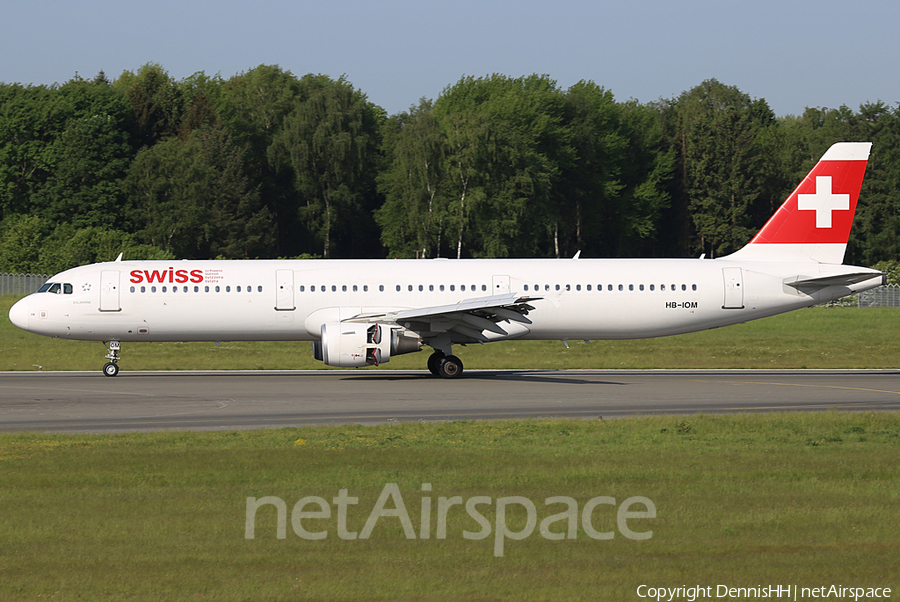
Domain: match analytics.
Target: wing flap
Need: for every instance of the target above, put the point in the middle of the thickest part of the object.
(468, 319)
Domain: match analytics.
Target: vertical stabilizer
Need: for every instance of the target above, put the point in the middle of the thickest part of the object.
(813, 223)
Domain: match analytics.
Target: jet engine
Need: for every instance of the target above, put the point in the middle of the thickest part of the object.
(351, 345)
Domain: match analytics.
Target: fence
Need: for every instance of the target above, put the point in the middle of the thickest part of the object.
(883, 296)
(21, 284)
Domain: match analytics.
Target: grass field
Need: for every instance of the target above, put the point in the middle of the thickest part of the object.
(745, 501)
(838, 337)
(807, 500)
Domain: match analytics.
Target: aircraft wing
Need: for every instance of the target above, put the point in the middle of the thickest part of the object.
(466, 320)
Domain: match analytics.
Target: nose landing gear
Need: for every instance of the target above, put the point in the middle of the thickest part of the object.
(111, 368)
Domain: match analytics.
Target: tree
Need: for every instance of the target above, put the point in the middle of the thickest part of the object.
(253, 106)
(167, 185)
(413, 216)
(506, 141)
(718, 138)
(195, 201)
(329, 143)
(156, 103)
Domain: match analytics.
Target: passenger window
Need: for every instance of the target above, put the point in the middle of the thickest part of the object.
(302, 288)
(205, 289)
(430, 288)
(631, 287)
(143, 289)
(218, 289)
(684, 287)
(577, 287)
(526, 287)
(132, 289)
(409, 287)
(164, 290)
(381, 288)
(343, 288)
(365, 288)
(662, 287)
(227, 289)
(557, 287)
(589, 287)
(568, 287)
(441, 288)
(693, 287)
(483, 287)
(238, 289)
(333, 288)
(421, 288)
(152, 289)
(651, 287)
(196, 289)
(355, 288)
(462, 287)
(641, 287)
(621, 287)
(546, 287)
(452, 287)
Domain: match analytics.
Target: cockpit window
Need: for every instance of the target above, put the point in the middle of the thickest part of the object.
(55, 287)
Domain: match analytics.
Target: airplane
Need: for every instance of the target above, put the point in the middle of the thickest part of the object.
(363, 312)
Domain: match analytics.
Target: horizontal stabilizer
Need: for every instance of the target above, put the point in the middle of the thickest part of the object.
(838, 280)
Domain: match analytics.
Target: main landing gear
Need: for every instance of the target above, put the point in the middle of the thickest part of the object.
(111, 368)
(445, 366)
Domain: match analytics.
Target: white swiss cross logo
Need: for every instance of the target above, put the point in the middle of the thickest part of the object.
(823, 202)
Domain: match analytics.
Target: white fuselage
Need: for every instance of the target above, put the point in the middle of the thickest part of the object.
(281, 300)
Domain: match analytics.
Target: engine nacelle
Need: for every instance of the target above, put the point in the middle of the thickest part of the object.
(351, 345)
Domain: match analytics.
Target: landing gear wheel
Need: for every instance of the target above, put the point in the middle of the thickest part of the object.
(111, 368)
(450, 367)
(434, 362)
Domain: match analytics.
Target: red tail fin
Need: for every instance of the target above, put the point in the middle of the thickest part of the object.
(814, 222)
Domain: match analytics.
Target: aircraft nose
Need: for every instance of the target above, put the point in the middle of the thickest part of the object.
(18, 313)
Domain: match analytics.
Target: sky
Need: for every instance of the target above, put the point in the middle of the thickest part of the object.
(794, 54)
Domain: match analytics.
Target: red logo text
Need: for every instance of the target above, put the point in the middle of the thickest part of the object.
(171, 276)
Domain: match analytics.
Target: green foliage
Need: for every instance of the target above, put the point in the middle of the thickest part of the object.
(413, 181)
(31, 244)
(267, 164)
(329, 143)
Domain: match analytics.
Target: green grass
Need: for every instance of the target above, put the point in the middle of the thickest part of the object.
(838, 337)
(804, 499)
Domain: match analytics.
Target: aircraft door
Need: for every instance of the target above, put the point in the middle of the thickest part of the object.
(501, 285)
(284, 290)
(734, 288)
(109, 290)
